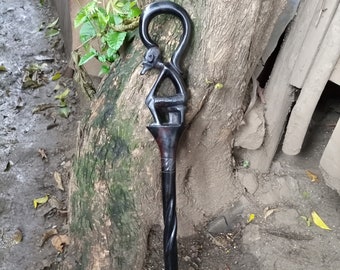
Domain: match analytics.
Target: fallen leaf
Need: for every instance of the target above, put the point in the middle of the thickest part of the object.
(53, 24)
(55, 203)
(218, 86)
(42, 107)
(17, 236)
(59, 241)
(63, 95)
(3, 68)
(46, 235)
(307, 219)
(44, 58)
(313, 177)
(20, 103)
(319, 222)
(56, 76)
(52, 32)
(251, 218)
(246, 164)
(268, 212)
(305, 195)
(57, 178)
(57, 87)
(64, 112)
(34, 76)
(43, 154)
(41, 200)
(8, 166)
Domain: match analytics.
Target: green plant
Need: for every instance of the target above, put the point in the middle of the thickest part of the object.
(64, 110)
(104, 26)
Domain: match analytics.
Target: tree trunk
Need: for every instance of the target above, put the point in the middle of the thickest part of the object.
(115, 193)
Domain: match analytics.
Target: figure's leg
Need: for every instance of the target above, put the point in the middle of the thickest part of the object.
(151, 98)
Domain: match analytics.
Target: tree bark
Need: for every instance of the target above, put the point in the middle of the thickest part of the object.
(115, 193)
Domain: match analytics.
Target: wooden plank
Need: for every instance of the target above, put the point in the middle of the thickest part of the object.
(278, 92)
(330, 160)
(316, 32)
(314, 85)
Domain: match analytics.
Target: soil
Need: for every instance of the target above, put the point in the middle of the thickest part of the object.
(34, 146)
(279, 237)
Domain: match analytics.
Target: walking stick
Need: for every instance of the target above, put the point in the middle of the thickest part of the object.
(168, 114)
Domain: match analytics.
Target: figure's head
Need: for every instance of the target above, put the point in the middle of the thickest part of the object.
(151, 58)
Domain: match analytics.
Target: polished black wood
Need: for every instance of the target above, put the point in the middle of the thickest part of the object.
(168, 114)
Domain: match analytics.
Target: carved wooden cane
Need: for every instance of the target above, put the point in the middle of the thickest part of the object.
(168, 114)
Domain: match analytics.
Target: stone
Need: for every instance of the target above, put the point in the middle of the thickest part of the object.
(248, 180)
(251, 234)
(251, 135)
(329, 162)
(288, 217)
(218, 225)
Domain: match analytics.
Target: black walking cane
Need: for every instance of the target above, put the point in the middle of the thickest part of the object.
(168, 114)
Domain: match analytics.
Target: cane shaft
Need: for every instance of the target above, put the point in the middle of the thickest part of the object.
(170, 220)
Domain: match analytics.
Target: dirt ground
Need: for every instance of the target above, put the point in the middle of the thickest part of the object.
(30, 121)
(277, 238)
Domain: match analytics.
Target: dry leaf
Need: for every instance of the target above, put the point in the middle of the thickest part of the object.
(8, 166)
(41, 200)
(268, 212)
(42, 107)
(251, 218)
(3, 68)
(57, 178)
(55, 203)
(218, 86)
(56, 76)
(17, 236)
(319, 222)
(46, 235)
(59, 241)
(307, 219)
(43, 154)
(313, 177)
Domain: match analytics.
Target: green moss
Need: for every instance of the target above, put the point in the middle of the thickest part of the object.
(108, 158)
(85, 172)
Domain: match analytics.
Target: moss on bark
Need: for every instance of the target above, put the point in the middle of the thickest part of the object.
(103, 200)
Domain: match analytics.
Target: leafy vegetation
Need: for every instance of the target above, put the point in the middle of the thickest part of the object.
(104, 27)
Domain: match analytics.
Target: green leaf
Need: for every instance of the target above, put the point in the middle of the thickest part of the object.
(102, 58)
(91, 7)
(64, 112)
(134, 12)
(115, 40)
(56, 76)
(51, 32)
(87, 32)
(52, 24)
(87, 57)
(103, 18)
(111, 55)
(80, 18)
(104, 70)
(116, 19)
(63, 95)
(119, 4)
